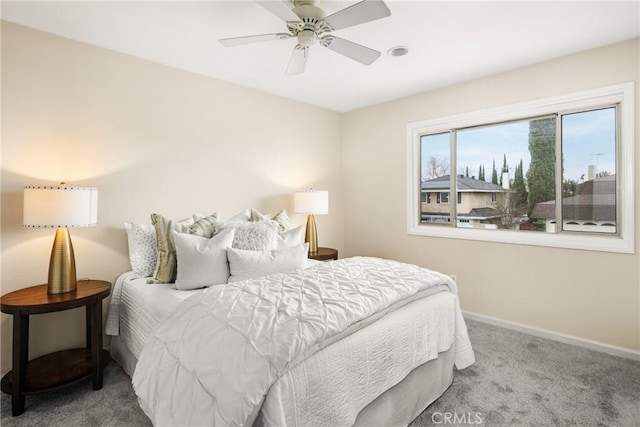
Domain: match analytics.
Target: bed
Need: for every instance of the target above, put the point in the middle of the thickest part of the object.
(229, 323)
(371, 342)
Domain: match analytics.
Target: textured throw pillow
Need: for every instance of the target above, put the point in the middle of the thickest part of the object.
(251, 264)
(165, 269)
(202, 261)
(291, 237)
(143, 249)
(281, 218)
(254, 236)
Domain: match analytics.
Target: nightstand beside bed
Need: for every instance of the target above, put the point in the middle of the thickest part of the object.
(61, 368)
(325, 254)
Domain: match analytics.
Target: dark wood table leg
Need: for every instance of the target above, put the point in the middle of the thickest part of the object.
(88, 330)
(20, 359)
(96, 343)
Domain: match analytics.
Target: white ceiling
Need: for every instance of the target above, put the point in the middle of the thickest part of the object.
(449, 41)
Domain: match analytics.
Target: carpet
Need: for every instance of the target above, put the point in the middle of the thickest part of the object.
(517, 379)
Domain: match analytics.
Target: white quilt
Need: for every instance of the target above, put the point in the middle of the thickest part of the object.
(213, 360)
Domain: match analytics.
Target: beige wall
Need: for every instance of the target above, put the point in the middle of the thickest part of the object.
(156, 139)
(152, 139)
(591, 295)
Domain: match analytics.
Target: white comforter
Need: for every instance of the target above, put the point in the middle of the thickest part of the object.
(212, 361)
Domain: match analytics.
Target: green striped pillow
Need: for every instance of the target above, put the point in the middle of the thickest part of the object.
(166, 265)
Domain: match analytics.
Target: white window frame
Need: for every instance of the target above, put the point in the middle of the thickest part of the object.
(623, 242)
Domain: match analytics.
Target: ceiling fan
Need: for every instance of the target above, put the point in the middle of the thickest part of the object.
(307, 22)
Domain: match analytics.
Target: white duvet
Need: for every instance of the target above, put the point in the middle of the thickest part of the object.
(213, 360)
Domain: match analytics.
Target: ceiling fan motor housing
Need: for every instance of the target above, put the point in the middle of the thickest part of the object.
(311, 24)
(308, 9)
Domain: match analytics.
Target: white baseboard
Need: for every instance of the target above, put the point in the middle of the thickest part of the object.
(555, 336)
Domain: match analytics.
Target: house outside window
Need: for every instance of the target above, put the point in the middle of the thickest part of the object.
(443, 197)
(553, 172)
(476, 206)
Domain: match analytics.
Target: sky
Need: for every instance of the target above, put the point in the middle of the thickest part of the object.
(588, 138)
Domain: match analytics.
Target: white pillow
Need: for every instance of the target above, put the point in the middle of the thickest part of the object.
(290, 238)
(202, 261)
(254, 236)
(143, 248)
(281, 218)
(245, 264)
(241, 217)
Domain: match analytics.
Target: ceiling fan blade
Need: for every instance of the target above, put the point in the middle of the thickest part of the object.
(355, 51)
(359, 13)
(279, 9)
(298, 60)
(237, 41)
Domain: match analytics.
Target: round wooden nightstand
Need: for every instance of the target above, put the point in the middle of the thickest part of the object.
(325, 254)
(61, 368)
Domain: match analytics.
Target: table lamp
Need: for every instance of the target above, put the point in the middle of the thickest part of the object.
(60, 207)
(311, 202)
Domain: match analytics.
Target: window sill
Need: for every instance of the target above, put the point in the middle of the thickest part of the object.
(567, 240)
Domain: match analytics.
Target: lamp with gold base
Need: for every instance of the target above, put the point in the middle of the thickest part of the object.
(311, 202)
(60, 207)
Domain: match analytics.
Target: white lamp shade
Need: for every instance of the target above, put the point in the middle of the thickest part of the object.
(52, 207)
(314, 202)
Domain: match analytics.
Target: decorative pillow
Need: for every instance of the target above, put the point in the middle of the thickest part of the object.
(242, 216)
(195, 217)
(245, 264)
(239, 218)
(254, 236)
(143, 248)
(290, 238)
(281, 218)
(201, 261)
(165, 270)
(204, 226)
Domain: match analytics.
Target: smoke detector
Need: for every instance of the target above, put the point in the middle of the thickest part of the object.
(398, 51)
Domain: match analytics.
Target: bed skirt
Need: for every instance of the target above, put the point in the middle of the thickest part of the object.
(398, 406)
(402, 403)
(122, 355)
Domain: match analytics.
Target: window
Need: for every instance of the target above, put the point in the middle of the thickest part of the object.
(589, 168)
(552, 172)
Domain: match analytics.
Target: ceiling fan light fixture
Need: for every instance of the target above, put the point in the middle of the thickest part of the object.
(306, 37)
(398, 51)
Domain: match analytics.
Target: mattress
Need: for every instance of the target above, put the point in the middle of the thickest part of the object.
(136, 308)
